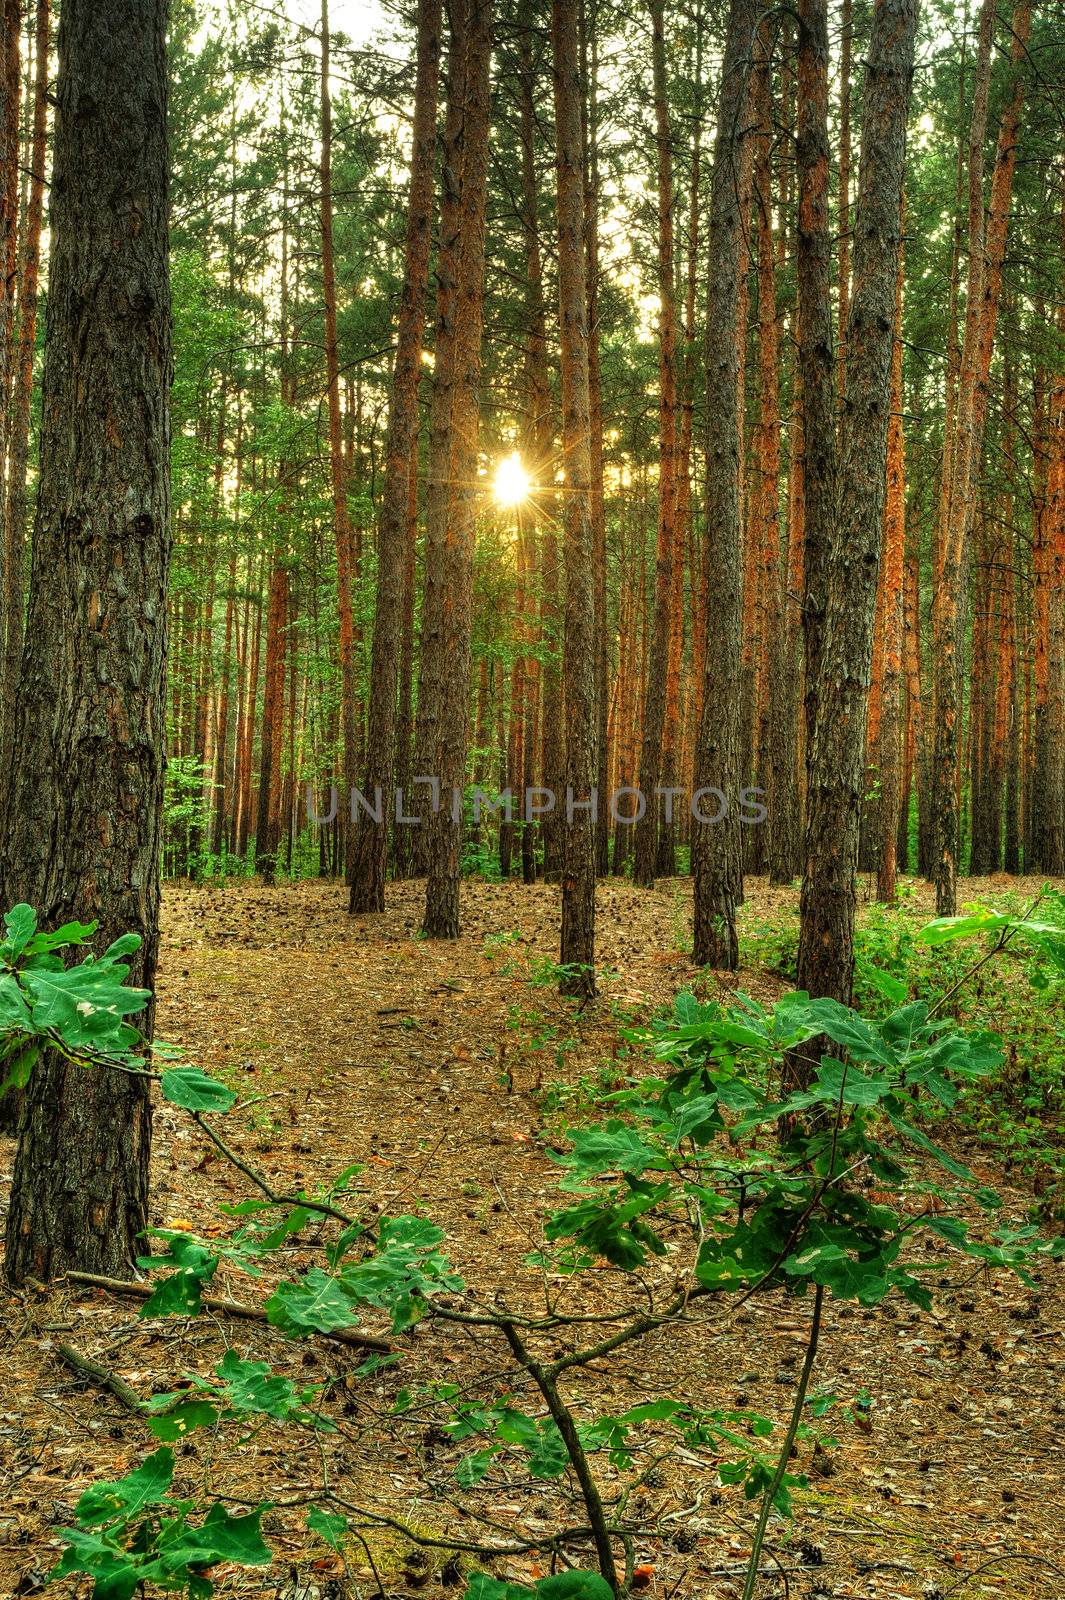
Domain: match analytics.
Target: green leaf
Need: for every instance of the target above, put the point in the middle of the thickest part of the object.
(19, 1068)
(698, 1118)
(251, 1386)
(180, 1294)
(887, 984)
(922, 1141)
(116, 1578)
(20, 924)
(614, 1147)
(471, 1470)
(181, 1420)
(84, 1004)
(850, 1085)
(846, 1028)
(104, 1503)
(194, 1090)
(315, 1303)
(981, 919)
(220, 1537)
(949, 1228)
(328, 1525)
(14, 1012)
(573, 1586)
(736, 1094)
(570, 1585)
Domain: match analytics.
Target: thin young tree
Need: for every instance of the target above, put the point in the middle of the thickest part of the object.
(85, 801)
(578, 865)
(715, 843)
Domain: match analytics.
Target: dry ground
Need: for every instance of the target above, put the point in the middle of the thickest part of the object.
(435, 1066)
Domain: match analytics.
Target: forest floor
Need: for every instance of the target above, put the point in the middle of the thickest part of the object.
(447, 1071)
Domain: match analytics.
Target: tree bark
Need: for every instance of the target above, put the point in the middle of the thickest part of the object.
(85, 801)
(341, 518)
(370, 845)
(816, 362)
(837, 757)
(22, 383)
(655, 686)
(445, 825)
(846, 25)
(10, 101)
(715, 845)
(986, 253)
(267, 835)
(578, 863)
(431, 662)
(766, 497)
(589, 47)
(889, 748)
(1048, 822)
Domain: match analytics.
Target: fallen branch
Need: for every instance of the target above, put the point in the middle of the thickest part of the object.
(102, 1376)
(228, 1308)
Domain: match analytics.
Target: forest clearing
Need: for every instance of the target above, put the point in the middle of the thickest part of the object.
(532, 799)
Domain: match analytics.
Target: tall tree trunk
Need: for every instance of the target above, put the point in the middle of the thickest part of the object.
(244, 819)
(715, 844)
(403, 851)
(911, 666)
(846, 26)
(368, 869)
(766, 498)
(445, 826)
(888, 754)
(431, 663)
(986, 253)
(539, 445)
(813, 254)
(543, 744)
(22, 385)
(86, 792)
(341, 518)
(1006, 641)
(589, 46)
(1048, 833)
(10, 100)
(654, 706)
(682, 753)
(578, 865)
(785, 816)
(270, 743)
(837, 759)
(218, 830)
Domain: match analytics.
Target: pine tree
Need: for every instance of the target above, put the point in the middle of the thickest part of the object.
(445, 825)
(578, 864)
(86, 788)
(837, 735)
(715, 844)
(368, 869)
